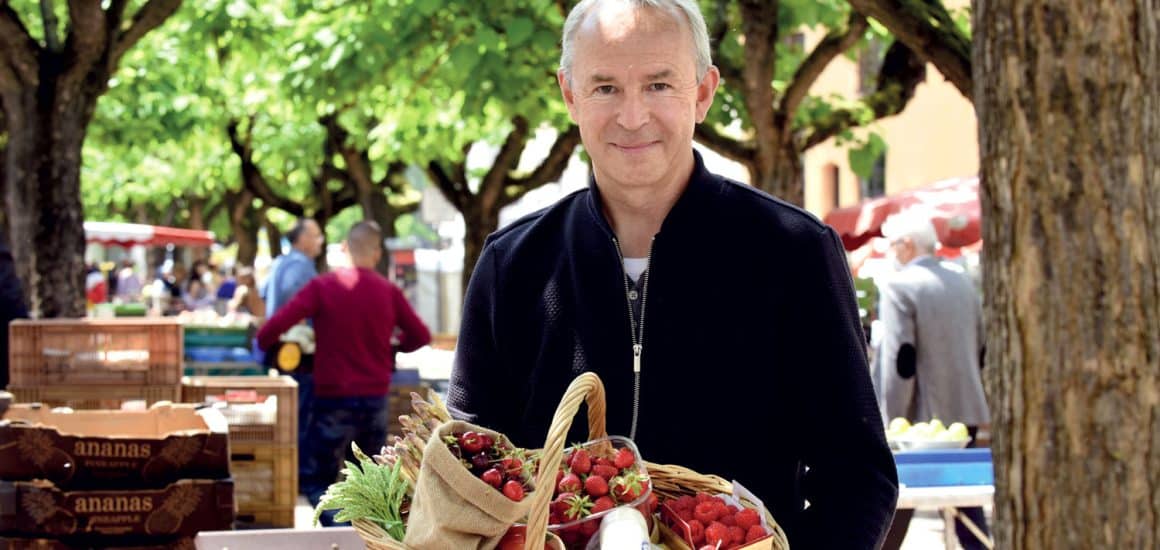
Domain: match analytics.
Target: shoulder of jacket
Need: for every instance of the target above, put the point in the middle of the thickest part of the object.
(519, 228)
(791, 220)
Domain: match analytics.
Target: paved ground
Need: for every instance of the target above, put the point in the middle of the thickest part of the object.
(925, 533)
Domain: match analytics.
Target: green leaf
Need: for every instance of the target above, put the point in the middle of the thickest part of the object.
(862, 158)
(519, 30)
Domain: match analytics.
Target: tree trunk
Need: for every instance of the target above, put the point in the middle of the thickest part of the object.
(777, 170)
(1068, 95)
(480, 223)
(245, 222)
(273, 237)
(46, 130)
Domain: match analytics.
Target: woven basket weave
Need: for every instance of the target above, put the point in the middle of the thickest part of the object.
(667, 480)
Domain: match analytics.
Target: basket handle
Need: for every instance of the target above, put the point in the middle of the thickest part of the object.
(586, 387)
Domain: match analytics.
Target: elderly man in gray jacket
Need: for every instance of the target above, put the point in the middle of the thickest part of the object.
(929, 357)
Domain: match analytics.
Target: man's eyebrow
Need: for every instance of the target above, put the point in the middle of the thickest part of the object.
(601, 78)
(660, 75)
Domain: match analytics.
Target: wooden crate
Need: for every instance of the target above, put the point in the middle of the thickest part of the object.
(104, 543)
(243, 392)
(121, 449)
(90, 398)
(265, 479)
(266, 518)
(38, 509)
(143, 352)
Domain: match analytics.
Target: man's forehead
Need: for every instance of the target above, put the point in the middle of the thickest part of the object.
(617, 22)
(605, 72)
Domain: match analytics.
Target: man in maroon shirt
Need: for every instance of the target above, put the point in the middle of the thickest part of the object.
(356, 312)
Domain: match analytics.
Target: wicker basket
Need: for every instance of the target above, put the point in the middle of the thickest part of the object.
(667, 480)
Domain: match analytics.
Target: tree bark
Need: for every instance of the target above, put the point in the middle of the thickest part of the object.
(245, 222)
(1068, 97)
(48, 93)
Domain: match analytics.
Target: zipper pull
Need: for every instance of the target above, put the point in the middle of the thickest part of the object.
(636, 351)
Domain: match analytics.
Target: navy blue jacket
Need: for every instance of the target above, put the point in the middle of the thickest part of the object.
(753, 366)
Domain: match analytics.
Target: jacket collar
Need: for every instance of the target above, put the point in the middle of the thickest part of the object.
(701, 183)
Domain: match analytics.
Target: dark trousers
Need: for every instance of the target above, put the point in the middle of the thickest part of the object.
(305, 408)
(335, 423)
(966, 538)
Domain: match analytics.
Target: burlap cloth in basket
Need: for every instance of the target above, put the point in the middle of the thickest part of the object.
(452, 509)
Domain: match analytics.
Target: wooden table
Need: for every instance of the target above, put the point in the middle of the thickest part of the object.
(946, 500)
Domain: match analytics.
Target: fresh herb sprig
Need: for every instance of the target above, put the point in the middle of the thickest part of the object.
(368, 490)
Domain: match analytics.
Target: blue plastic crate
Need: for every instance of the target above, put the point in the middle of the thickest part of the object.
(945, 467)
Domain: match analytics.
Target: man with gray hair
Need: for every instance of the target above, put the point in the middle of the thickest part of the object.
(759, 376)
(929, 356)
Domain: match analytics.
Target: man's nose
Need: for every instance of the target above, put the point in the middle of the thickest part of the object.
(634, 111)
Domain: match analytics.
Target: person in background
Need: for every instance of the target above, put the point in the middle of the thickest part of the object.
(929, 358)
(128, 283)
(246, 298)
(356, 313)
(289, 273)
(203, 272)
(601, 282)
(12, 305)
(96, 287)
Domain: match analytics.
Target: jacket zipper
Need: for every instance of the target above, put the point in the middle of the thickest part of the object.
(636, 330)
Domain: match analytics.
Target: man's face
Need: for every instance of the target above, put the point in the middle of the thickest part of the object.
(310, 241)
(634, 93)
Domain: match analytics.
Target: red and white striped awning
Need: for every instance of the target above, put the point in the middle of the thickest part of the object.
(130, 234)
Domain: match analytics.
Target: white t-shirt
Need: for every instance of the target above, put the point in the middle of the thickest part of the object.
(634, 267)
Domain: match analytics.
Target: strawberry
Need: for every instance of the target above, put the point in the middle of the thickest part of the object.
(580, 462)
(570, 483)
(603, 461)
(696, 531)
(651, 503)
(755, 532)
(624, 458)
(561, 503)
(578, 507)
(596, 486)
(705, 513)
(738, 534)
(492, 477)
(747, 518)
(471, 442)
(629, 486)
(717, 534)
(589, 528)
(513, 490)
(559, 475)
(605, 471)
(603, 503)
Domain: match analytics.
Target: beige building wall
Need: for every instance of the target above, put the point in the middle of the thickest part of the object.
(934, 138)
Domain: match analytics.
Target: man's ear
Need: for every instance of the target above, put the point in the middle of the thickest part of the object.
(567, 93)
(706, 91)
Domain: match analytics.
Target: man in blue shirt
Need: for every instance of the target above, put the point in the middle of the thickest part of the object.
(291, 272)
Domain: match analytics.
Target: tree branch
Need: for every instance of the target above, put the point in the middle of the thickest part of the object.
(732, 149)
(149, 17)
(549, 170)
(507, 160)
(87, 41)
(252, 177)
(928, 29)
(455, 192)
(836, 42)
(51, 34)
(19, 50)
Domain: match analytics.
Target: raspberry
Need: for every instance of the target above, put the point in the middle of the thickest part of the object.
(686, 501)
(747, 518)
(738, 534)
(728, 520)
(685, 514)
(705, 497)
(705, 512)
(696, 532)
(755, 532)
(717, 533)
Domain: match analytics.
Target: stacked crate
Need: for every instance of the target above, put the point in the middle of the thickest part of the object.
(112, 479)
(95, 363)
(218, 351)
(263, 442)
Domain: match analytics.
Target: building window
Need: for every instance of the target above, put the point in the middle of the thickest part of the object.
(875, 185)
(831, 186)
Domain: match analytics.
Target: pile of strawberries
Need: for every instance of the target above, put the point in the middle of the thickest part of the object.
(497, 463)
(709, 521)
(589, 484)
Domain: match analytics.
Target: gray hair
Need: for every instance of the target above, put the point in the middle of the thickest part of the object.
(686, 10)
(914, 224)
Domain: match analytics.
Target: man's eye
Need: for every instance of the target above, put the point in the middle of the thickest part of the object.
(604, 90)
(659, 87)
